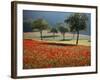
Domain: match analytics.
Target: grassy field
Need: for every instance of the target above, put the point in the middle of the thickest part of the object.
(83, 39)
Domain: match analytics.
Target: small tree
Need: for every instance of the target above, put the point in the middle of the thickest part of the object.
(77, 22)
(62, 29)
(40, 24)
(54, 31)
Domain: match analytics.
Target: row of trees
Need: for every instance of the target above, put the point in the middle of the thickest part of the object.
(40, 24)
(75, 22)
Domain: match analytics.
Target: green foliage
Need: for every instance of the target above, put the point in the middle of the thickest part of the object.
(62, 28)
(54, 30)
(40, 24)
(77, 22)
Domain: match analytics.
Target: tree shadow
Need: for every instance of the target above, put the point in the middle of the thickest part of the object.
(89, 40)
(50, 36)
(65, 39)
(58, 44)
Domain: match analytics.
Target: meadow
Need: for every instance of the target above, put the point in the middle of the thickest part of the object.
(53, 52)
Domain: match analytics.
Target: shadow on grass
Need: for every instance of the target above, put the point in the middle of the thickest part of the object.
(59, 44)
(65, 39)
(50, 36)
(89, 40)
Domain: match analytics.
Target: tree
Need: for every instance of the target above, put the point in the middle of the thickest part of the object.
(73, 31)
(40, 24)
(54, 31)
(62, 29)
(77, 22)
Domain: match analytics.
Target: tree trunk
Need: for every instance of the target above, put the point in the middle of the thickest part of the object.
(77, 37)
(41, 35)
(53, 35)
(73, 35)
(63, 36)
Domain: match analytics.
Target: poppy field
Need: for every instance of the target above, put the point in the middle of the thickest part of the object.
(42, 54)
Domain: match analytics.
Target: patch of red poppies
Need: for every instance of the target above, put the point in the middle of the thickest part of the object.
(46, 55)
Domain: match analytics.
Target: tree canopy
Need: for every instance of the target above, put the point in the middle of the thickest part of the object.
(77, 22)
(62, 29)
(40, 24)
(54, 30)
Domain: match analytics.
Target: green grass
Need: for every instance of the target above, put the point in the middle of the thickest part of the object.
(49, 37)
(81, 42)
